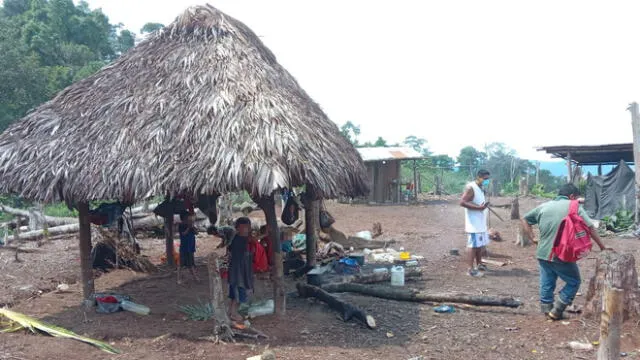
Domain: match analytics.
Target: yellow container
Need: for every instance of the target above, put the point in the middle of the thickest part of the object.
(405, 255)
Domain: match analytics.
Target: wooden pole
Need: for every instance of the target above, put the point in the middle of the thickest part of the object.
(599, 169)
(611, 324)
(537, 172)
(569, 168)
(415, 180)
(168, 237)
(268, 206)
(635, 124)
(85, 252)
(310, 216)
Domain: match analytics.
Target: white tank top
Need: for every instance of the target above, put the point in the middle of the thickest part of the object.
(475, 221)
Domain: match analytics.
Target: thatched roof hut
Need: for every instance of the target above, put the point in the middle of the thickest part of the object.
(201, 106)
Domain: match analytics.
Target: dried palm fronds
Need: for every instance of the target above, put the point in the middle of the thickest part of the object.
(20, 321)
(128, 256)
(201, 105)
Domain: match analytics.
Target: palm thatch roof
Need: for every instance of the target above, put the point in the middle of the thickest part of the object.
(201, 105)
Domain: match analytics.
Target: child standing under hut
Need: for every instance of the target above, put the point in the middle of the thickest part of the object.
(187, 245)
(240, 267)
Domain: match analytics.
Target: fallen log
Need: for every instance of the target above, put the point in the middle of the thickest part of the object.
(414, 295)
(20, 250)
(346, 310)
(51, 220)
(148, 223)
(410, 272)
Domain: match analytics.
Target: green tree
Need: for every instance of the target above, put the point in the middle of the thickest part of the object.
(151, 27)
(470, 160)
(443, 161)
(45, 45)
(380, 142)
(350, 132)
(416, 143)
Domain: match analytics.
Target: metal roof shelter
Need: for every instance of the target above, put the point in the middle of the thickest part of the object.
(582, 155)
(369, 154)
(383, 170)
(610, 154)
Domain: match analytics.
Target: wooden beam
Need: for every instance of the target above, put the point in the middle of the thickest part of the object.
(635, 125)
(168, 237)
(85, 252)
(569, 168)
(599, 169)
(268, 206)
(611, 324)
(310, 214)
(415, 180)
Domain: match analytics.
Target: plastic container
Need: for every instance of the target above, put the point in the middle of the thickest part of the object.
(397, 276)
(405, 255)
(380, 271)
(133, 307)
(412, 263)
(262, 308)
(365, 235)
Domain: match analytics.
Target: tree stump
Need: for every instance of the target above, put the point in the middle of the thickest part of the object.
(617, 271)
(521, 237)
(515, 209)
(222, 328)
(611, 324)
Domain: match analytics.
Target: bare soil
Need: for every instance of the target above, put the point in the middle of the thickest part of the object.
(310, 330)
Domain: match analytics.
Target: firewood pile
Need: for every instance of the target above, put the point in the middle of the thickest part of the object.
(128, 252)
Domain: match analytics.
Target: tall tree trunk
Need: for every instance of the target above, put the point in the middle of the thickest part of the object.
(168, 236)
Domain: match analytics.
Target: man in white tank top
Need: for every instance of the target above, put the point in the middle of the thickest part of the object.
(475, 221)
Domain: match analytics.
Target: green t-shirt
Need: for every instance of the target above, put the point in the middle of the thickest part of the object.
(548, 217)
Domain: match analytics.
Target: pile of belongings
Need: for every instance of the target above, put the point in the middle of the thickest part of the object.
(388, 255)
(103, 254)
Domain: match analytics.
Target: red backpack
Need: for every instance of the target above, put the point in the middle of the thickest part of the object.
(573, 241)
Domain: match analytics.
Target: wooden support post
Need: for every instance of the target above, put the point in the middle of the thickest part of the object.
(537, 172)
(569, 169)
(85, 252)
(168, 237)
(310, 215)
(611, 324)
(599, 169)
(268, 205)
(415, 181)
(635, 125)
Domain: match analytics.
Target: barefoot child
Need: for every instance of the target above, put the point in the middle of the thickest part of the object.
(187, 245)
(240, 267)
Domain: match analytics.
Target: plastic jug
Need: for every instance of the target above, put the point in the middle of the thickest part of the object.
(133, 307)
(397, 276)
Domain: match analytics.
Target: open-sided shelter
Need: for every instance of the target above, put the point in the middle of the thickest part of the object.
(201, 106)
(384, 172)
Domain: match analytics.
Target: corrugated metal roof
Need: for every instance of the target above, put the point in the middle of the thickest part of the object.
(388, 153)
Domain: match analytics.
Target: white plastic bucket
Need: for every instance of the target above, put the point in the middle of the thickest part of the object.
(397, 276)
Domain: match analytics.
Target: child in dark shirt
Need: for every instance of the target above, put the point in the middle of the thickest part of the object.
(187, 245)
(240, 267)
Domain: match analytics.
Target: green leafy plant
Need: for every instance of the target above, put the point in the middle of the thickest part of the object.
(200, 312)
(538, 190)
(622, 220)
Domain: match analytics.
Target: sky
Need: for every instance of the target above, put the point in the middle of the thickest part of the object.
(455, 73)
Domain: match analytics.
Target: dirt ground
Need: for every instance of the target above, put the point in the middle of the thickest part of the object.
(310, 330)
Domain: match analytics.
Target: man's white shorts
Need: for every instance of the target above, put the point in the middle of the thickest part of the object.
(477, 240)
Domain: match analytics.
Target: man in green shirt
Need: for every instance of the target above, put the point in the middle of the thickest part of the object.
(548, 217)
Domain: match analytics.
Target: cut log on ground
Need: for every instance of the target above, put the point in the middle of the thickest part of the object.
(411, 272)
(346, 310)
(618, 271)
(493, 262)
(51, 220)
(414, 295)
